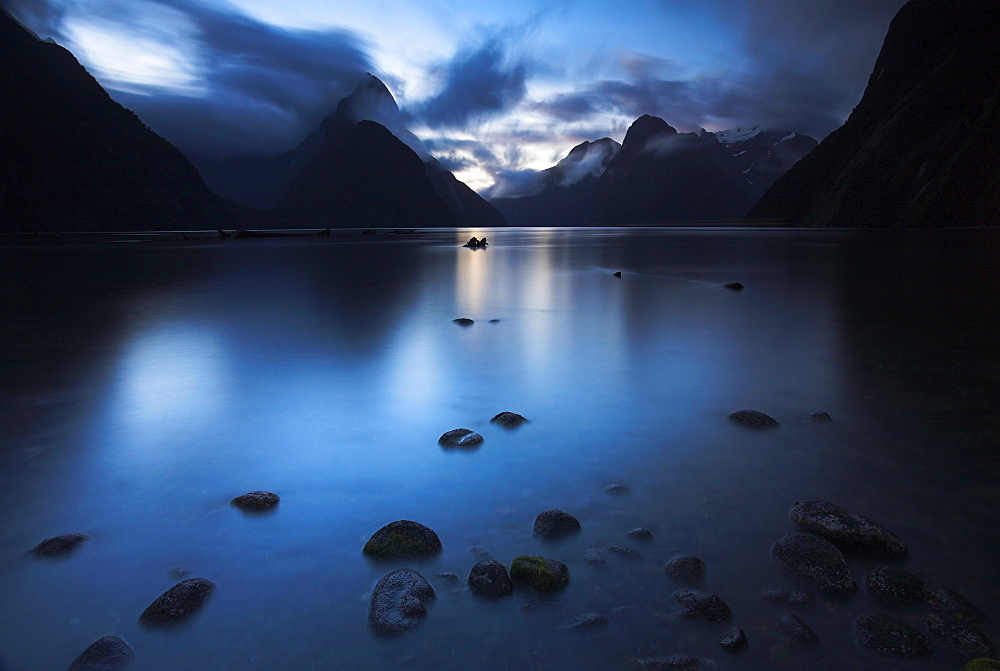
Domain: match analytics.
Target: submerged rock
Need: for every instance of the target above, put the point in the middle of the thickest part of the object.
(798, 631)
(891, 637)
(540, 573)
(460, 438)
(401, 539)
(617, 273)
(398, 602)
(539, 607)
(446, 575)
(685, 568)
(622, 551)
(59, 545)
(817, 559)
(895, 586)
(489, 579)
(106, 654)
(819, 417)
(698, 605)
(788, 596)
(847, 529)
(555, 523)
(735, 286)
(178, 603)
(588, 622)
(618, 490)
(753, 418)
(954, 605)
(508, 420)
(669, 663)
(961, 638)
(733, 639)
(640, 534)
(258, 501)
(594, 559)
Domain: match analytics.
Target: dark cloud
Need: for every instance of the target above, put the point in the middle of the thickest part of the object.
(478, 83)
(266, 87)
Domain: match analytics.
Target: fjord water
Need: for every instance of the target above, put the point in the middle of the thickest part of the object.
(148, 380)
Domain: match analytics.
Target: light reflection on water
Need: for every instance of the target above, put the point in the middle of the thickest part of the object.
(179, 376)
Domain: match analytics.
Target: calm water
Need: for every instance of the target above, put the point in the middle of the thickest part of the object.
(146, 381)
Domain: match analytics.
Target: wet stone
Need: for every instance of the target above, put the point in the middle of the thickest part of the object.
(622, 551)
(954, 605)
(668, 663)
(460, 438)
(555, 523)
(792, 597)
(640, 534)
(819, 417)
(847, 529)
(59, 545)
(698, 605)
(588, 622)
(895, 586)
(618, 490)
(508, 420)
(256, 502)
(959, 637)
(178, 603)
(733, 286)
(891, 637)
(798, 631)
(685, 568)
(398, 602)
(402, 539)
(540, 573)
(753, 418)
(594, 559)
(733, 639)
(106, 654)
(464, 321)
(817, 559)
(489, 579)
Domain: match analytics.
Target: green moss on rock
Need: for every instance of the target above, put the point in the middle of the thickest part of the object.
(402, 539)
(982, 664)
(540, 573)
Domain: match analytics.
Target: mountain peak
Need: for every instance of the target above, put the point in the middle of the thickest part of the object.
(646, 127)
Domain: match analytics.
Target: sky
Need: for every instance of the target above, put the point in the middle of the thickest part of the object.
(493, 89)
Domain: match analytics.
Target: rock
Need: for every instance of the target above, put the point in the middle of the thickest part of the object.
(622, 551)
(982, 664)
(617, 273)
(962, 638)
(178, 603)
(791, 597)
(685, 568)
(544, 575)
(399, 602)
(819, 417)
(891, 637)
(954, 605)
(618, 490)
(106, 654)
(460, 438)
(895, 586)
(847, 529)
(698, 605)
(451, 577)
(256, 502)
(794, 628)
(489, 579)
(640, 534)
(594, 559)
(59, 545)
(588, 622)
(179, 572)
(733, 639)
(735, 286)
(670, 663)
(464, 321)
(753, 418)
(494, 321)
(402, 539)
(817, 559)
(538, 607)
(555, 523)
(508, 420)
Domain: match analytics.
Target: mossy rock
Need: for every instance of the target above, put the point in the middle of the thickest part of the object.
(544, 575)
(401, 539)
(982, 664)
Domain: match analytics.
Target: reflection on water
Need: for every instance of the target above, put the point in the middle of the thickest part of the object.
(178, 376)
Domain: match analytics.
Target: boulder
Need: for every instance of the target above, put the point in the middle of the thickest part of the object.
(733, 639)
(622, 551)
(464, 321)
(753, 418)
(954, 605)
(684, 568)
(489, 579)
(106, 654)
(398, 602)
(891, 637)
(460, 438)
(640, 534)
(59, 545)
(961, 638)
(540, 573)
(178, 603)
(588, 622)
(256, 502)
(817, 559)
(402, 539)
(668, 663)
(734, 286)
(847, 529)
(555, 523)
(895, 586)
(508, 420)
(594, 559)
(698, 605)
(793, 627)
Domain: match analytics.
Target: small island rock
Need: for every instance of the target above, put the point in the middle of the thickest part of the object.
(489, 579)
(684, 568)
(540, 573)
(178, 603)
(106, 654)
(59, 545)
(555, 523)
(508, 420)
(402, 539)
(398, 602)
(464, 321)
(258, 501)
(460, 438)
(817, 559)
(891, 637)
(753, 418)
(847, 529)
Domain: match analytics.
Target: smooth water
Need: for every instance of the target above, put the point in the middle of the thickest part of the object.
(146, 381)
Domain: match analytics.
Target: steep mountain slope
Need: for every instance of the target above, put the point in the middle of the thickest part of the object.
(915, 152)
(71, 158)
(764, 154)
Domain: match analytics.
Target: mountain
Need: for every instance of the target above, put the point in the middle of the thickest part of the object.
(71, 158)
(561, 195)
(915, 152)
(660, 175)
(278, 181)
(764, 154)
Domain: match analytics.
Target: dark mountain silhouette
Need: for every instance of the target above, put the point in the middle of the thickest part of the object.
(563, 194)
(915, 152)
(662, 176)
(276, 181)
(764, 154)
(71, 158)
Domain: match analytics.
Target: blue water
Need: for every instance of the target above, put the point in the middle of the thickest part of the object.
(147, 380)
